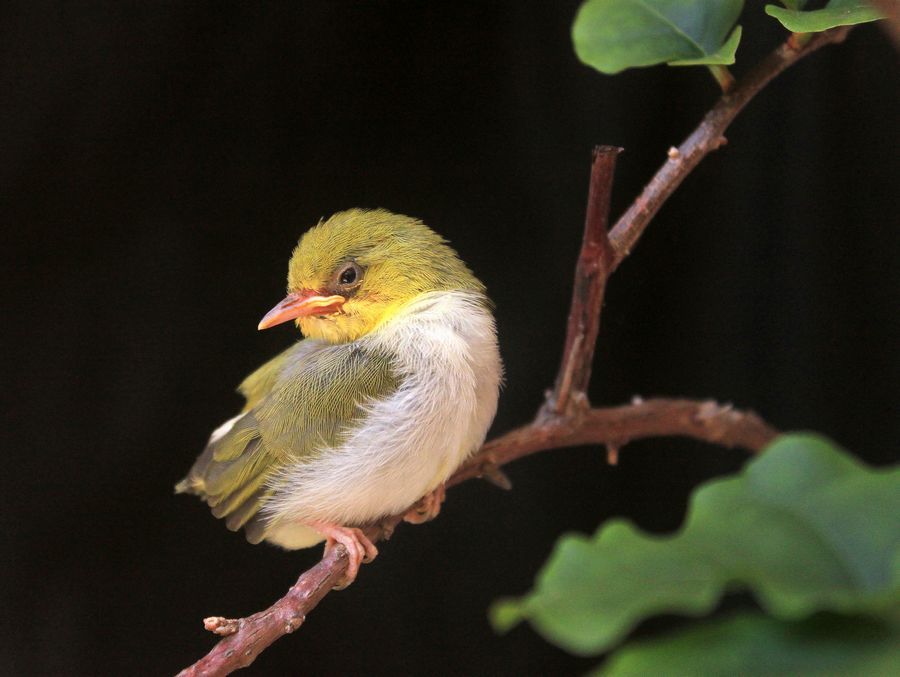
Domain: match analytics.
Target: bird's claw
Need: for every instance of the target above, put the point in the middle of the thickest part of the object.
(427, 508)
(359, 549)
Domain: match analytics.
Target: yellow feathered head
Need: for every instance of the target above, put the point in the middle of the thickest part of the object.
(356, 270)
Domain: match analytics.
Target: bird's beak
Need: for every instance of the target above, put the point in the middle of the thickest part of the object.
(301, 304)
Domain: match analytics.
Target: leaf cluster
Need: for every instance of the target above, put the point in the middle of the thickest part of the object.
(612, 35)
(814, 536)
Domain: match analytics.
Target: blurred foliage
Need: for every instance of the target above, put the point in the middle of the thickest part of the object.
(804, 527)
(753, 644)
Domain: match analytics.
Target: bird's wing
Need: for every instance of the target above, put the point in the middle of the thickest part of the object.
(298, 404)
(257, 385)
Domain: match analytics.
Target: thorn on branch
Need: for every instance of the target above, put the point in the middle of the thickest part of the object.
(612, 453)
(491, 472)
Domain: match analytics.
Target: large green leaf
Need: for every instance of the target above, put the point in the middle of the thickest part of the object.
(612, 35)
(805, 527)
(752, 644)
(835, 13)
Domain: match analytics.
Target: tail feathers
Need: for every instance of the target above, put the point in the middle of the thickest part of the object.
(256, 528)
(226, 503)
(223, 478)
(248, 509)
(230, 476)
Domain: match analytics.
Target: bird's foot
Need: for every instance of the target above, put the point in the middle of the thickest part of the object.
(359, 548)
(428, 507)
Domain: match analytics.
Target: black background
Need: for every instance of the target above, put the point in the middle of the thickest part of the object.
(158, 161)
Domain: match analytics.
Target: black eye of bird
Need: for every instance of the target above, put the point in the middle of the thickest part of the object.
(350, 275)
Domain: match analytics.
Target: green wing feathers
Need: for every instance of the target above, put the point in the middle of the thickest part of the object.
(260, 383)
(299, 403)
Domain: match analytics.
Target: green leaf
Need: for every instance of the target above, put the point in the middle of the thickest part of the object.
(723, 57)
(752, 644)
(835, 13)
(805, 527)
(793, 4)
(587, 595)
(612, 35)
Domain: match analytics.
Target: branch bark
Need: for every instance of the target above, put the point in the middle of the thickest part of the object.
(591, 273)
(705, 420)
(891, 24)
(566, 419)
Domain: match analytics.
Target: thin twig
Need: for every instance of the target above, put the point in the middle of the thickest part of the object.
(708, 136)
(723, 77)
(702, 420)
(248, 637)
(558, 425)
(891, 11)
(591, 272)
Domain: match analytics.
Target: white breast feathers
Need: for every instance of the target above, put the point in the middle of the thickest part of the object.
(446, 354)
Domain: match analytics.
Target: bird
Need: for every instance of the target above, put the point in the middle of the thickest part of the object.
(392, 387)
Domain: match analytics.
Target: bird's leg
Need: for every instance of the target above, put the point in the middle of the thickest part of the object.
(359, 548)
(428, 507)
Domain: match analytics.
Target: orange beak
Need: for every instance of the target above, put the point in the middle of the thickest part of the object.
(301, 304)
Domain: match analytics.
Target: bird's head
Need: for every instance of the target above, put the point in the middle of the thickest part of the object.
(353, 272)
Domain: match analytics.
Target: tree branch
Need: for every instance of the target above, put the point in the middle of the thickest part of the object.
(591, 272)
(704, 420)
(891, 24)
(708, 136)
(246, 638)
(566, 419)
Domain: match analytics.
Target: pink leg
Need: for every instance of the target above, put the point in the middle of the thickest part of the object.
(359, 548)
(428, 507)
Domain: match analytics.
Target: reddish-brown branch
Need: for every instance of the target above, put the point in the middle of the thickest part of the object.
(617, 426)
(591, 272)
(247, 637)
(891, 25)
(559, 424)
(707, 137)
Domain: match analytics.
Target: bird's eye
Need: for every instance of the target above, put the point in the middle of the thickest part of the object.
(350, 274)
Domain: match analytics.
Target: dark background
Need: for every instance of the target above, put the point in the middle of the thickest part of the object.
(158, 161)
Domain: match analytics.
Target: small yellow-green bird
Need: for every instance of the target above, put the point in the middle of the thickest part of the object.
(393, 387)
